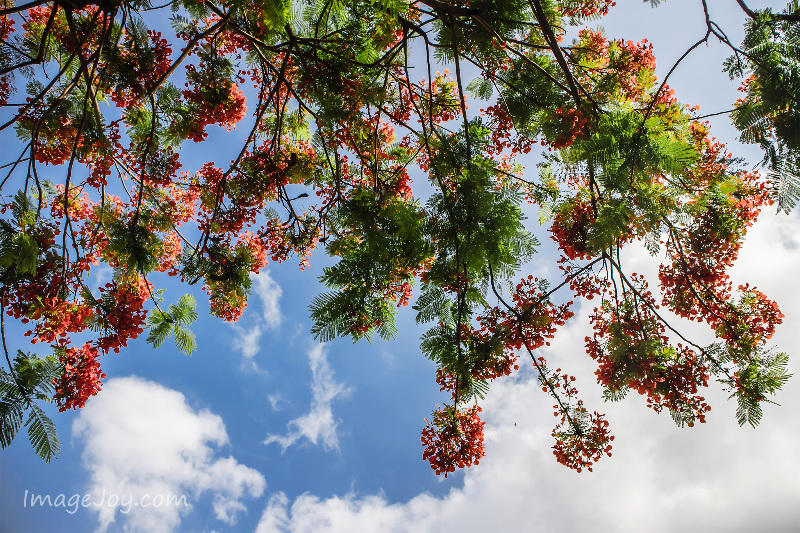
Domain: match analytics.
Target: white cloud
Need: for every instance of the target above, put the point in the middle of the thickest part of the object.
(249, 340)
(268, 293)
(716, 477)
(144, 444)
(275, 401)
(275, 517)
(318, 424)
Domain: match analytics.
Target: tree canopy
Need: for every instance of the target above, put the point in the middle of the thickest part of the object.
(341, 111)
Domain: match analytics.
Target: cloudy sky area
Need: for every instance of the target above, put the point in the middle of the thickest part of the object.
(265, 430)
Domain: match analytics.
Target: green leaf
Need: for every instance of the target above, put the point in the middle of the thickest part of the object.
(612, 224)
(481, 88)
(433, 304)
(786, 173)
(32, 379)
(328, 314)
(158, 323)
(42, 434)
(174, 322)
(185, 341)
(10, 418)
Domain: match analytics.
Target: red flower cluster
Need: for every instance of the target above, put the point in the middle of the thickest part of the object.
(633, 65)
(56, 137)
(212, 101)
(6, 29)
(144, 65)
(81, 377)
(569, 125)
(633, 351)
(581, 439)
(579, 449)
(695, 284)
(124, 321)
(570, 229)
(533, 321)
(454, 439)
(586, 8)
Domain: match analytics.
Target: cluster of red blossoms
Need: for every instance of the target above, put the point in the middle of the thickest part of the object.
(493, 348)
(581, 439)
(586, 8)
(81, 378)
(633, 351)
(532, 322)
(581, 449)
(6, 28)
(570, 229)
(572, 125)
(56, 303)
(125, 319)
(453, 439)
(696, 285)
(212, 101)
(143, 70)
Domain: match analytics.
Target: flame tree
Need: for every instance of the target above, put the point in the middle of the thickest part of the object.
(328, 103)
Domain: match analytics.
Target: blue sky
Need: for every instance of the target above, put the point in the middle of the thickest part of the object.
(263, 429)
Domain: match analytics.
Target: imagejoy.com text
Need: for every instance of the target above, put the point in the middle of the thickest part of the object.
(125, 502)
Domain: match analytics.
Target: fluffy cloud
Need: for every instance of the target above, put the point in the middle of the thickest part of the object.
(268, 293)
(714, 477)
(318, 424)
(248, 340)
(144, 445)
(660, 478)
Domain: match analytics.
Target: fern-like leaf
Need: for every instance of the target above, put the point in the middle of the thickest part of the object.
(42, 434)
